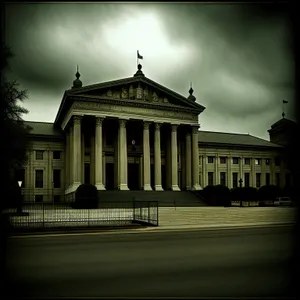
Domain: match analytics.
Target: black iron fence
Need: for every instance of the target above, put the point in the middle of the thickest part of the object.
(62, 215)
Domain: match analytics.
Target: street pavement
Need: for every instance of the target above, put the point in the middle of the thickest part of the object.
(255, 262)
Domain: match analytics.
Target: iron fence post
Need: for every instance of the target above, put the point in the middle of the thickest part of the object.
(133, 208)
(43, 207)
(157, 210)
(148, 212)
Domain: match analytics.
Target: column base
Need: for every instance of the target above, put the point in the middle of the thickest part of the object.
(175, 188)
(197, 187)
(188, 188)
(100, 187)
(158, 188)
(147, 187)
(123, 187)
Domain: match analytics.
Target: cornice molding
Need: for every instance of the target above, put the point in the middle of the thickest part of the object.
(133, 103)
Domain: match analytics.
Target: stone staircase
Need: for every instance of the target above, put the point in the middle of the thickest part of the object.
(165, 198)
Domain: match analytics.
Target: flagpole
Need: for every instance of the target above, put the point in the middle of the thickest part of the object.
(137, 58)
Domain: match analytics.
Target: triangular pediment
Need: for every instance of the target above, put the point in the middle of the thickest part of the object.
(140, 89)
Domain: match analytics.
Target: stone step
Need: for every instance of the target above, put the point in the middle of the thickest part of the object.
(164, 198)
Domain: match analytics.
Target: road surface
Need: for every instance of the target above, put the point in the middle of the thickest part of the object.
(217, 263)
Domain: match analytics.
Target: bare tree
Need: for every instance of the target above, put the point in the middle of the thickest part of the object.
(14, 133)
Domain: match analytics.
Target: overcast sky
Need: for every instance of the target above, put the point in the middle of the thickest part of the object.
(239, 57)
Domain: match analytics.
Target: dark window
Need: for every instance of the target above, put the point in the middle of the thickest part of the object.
(88, 141)
(235, 160)
(110, 139)
(277, 176)
(223, 178)
(39, 154)
(20, 176)
(268, 161)
(56, 179)
(38, 198)
(247, 161)
(277, 161)
(210, 159)
(268, 178)
(258, 177)
(56, 154)
(234, 180)
(288, 179)
(223, 160)
(56, 198)
(39, 180)
(210, 178)
(247, 179)
(257, 161)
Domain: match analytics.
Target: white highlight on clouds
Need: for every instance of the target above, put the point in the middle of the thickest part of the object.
(145, 33)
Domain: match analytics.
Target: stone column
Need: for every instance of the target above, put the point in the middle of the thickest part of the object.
(157, 158)
(217, 174)
(168, 165)
(104, 169)
(252, 176)
(92, 161)
(122, 156)
(117, 159)
(188, 159)
(146, 158)
(67, 157)
(174, 159)
(241, 172)
(204, 173)
(263, 172)
(195, 160)
(98, 155)
(229, 173)
(82, 158)
(76, 152)
(71, 166)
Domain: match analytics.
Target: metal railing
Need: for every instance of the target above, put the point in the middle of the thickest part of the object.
(62, 215)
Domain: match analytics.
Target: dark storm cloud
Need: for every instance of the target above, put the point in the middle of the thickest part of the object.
(239, 57)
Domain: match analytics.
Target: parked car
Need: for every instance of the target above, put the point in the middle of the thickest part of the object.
(283, 201)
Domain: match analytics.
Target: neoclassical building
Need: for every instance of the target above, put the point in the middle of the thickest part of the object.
(135, 134)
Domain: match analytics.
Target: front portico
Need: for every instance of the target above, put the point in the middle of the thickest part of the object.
(130, 134)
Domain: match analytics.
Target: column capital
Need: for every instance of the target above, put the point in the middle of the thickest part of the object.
(174, 127)
(77, 119)
(146, 125)
(157, 126)
(122, 123)
(195, 129)
(99, 121)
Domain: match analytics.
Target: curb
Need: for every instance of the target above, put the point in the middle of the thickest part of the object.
(153, 230)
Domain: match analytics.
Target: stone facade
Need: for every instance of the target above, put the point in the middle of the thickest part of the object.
(135, 134)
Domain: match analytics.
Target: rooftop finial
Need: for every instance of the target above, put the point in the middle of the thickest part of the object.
(139, 72)
(191, 96)
(77, 82)
(77, 73)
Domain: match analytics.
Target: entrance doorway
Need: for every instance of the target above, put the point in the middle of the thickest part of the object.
(110, 176)
(133, 176)
(87, 175)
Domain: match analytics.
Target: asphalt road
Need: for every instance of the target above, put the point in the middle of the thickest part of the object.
(218, 263)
